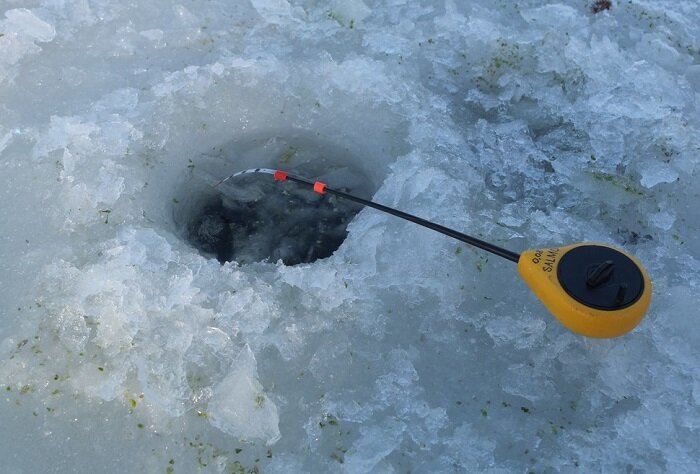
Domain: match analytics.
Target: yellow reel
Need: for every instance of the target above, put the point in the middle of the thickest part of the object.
(593, 289)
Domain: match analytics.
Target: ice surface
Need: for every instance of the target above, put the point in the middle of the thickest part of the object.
(126, 349)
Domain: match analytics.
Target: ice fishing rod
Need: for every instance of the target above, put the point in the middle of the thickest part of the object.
(593, 289)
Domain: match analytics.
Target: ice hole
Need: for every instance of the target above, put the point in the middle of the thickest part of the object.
(253, 218)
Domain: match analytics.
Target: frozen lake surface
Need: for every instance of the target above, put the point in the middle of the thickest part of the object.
(126, 346)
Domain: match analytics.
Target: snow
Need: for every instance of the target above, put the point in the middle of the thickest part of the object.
(125, 348)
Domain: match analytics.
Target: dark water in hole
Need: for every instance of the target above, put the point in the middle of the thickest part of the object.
(256, 219)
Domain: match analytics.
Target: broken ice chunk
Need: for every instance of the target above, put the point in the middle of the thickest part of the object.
(25, 23)
(238, 405)
(657, 173)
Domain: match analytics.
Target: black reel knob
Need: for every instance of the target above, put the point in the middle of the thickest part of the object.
(600, 277)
